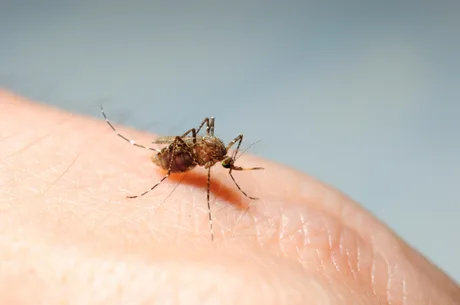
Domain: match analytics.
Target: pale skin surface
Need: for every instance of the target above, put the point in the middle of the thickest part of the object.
(68, 235)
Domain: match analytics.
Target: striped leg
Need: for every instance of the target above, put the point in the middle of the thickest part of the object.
(132, 142)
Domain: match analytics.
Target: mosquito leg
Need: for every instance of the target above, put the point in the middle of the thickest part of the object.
(244, 193)
(151, 189)
(205, 121)
(239, 139)
(194, 131)
(209, 205)
(123, 137)
(174, 146)
(210, 127)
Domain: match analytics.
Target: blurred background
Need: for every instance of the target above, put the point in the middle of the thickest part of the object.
(363, 95)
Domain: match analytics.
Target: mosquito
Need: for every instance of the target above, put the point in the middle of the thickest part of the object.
(183, 153)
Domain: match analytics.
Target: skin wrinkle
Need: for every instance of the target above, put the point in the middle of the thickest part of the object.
(352, 263)
(395, 280)
(389, 240)
(329, 239)
(131, 217)
(335, 200)
(385, 262)
(394, 251)
(388, 295)
(404, 291)
(329, 244)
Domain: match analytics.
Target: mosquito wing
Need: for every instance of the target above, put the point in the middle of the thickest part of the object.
(170, 139)
(164, 140)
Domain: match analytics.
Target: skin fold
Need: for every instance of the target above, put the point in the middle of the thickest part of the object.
(69, 235)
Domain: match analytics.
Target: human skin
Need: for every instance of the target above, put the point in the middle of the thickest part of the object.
(69, 235)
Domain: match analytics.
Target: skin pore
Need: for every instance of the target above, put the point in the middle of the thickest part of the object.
(69, 235)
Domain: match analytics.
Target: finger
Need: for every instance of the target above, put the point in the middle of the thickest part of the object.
(77, 173)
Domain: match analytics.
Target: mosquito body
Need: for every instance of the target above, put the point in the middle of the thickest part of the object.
(205, 151)
(183, 153)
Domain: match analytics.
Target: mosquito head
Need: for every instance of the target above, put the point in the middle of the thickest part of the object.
(228, 162)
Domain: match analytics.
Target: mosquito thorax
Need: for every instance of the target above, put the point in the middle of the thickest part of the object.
(209, 150)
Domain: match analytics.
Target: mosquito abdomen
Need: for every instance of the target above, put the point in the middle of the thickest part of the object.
(183, 161)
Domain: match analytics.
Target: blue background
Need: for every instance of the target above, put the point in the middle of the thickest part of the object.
(363, 95)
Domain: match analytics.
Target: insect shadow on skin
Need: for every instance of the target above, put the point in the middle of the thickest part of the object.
(183, 153)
